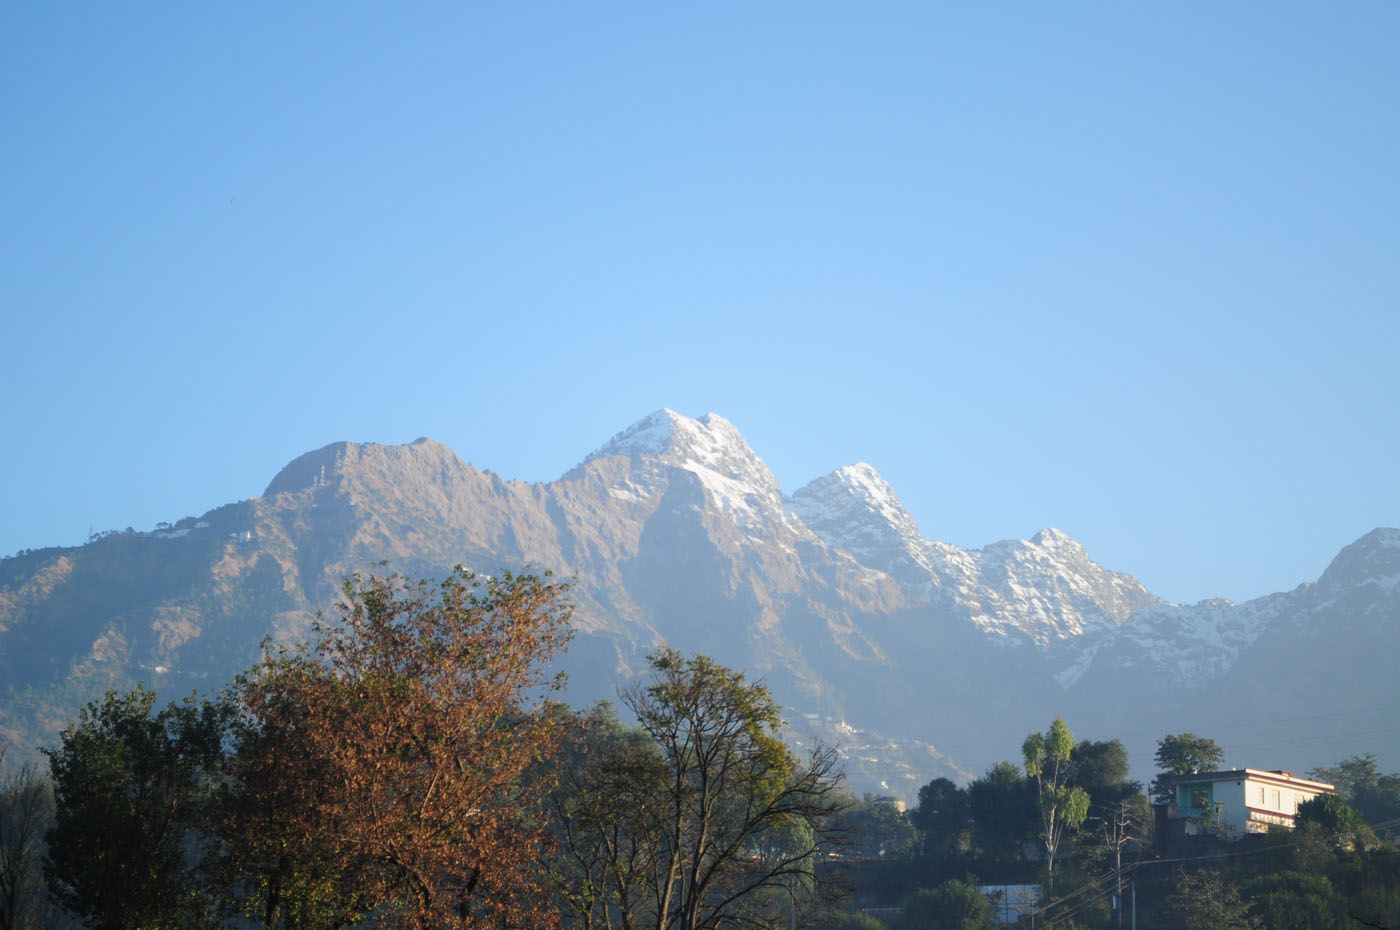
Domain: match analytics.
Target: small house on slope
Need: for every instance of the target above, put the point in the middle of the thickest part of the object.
(1238, 802)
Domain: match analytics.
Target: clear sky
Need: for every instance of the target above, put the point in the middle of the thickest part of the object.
(1128, 270)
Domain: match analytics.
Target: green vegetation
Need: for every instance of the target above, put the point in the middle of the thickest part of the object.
(1329, 872)
(1181, 754)
(1063, 805)
(953, 905)
(699, 818)
(132, 788)
(1375, 796)
(410, 768)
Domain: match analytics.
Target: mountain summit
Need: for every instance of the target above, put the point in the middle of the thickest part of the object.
(676, 531)
(853, 508)
(735, 479)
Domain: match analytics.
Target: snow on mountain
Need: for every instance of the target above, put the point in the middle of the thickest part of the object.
(1179, 644)
(1373, 560)
(1042, 590)
(735, 479)
(1089, 622)
(1189, 645)
(1046, 588)
(678, 532)
(651, 434)
(854, 509)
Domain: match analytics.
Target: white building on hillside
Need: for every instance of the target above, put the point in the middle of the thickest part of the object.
(1240, 801)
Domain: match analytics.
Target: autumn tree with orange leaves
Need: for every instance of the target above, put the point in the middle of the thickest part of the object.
(387, 772)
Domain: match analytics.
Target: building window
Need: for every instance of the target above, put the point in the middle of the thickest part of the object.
(1200, 797)
(1278, 804)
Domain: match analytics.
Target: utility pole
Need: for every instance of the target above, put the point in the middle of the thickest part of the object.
(1120, 832)
(1118, 825)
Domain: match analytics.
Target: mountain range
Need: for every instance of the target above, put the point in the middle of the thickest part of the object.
(916, 657)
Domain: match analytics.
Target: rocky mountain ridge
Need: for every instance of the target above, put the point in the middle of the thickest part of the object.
(677, 531)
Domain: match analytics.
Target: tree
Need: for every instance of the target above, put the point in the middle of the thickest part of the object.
(734, 821)
(1337, 819)
(131, 790)
(1297, 901)
(944, 817)
(1375, 796)
(397, 754)
(877, 829)
(850, 920)
(1370, 882)
(1101, 769)
(953, 905)
(1353, 777)
(1062, 806)
(280, 864)
(1205, 901)
(1182, 754)
(26, 812)
(1113, 829)
(1003, 812)
(606, 813)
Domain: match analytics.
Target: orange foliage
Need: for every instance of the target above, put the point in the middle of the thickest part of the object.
(393, 771)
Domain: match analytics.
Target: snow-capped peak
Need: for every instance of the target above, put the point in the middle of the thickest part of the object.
(649, 435)
(711, 448)
(856, 509)
(1054, 540)
(854, 496)
(1372, 559)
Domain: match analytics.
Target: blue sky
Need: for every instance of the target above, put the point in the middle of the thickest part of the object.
(1127, 271)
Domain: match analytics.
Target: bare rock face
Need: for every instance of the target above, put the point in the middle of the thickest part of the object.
(675, 531)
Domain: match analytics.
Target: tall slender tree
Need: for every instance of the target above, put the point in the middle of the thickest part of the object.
(1063, 806)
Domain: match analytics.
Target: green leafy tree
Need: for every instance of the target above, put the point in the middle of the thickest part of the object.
(738, 821)
(1297, 901)
(1003, 812)
(1375, 795)
(1206, 901)
(1352, 777)
(1336, 819)
(607, 811)
(953, 905)
(877, 829)
(1101, 769)
(1370, 884)
(132, 788)
(943, 818)
(1062, 806)
(1182, 754)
